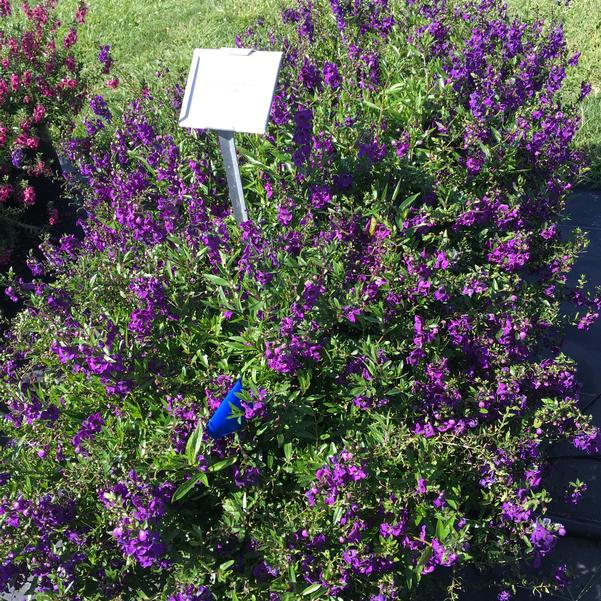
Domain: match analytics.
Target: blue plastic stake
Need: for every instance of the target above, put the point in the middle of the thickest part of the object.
(223, 422)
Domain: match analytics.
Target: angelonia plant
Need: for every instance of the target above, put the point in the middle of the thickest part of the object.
(40, 88)
(394, 307)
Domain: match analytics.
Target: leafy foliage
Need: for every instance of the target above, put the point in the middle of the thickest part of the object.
(393, 308)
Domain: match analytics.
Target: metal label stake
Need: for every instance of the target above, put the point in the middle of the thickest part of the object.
(232, 170)
(230, 90)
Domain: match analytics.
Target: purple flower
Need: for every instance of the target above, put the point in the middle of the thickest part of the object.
(137, 508)
(338, 473)
(475, 162)
(280, 113)
(588, 442)
(561, 575)
(575, 492)
(331, 75)
(514, 512)
(284, 215)
(303, 127)
(100, 108)
(351, 313)
(87, 431)
(474, 287)
(17, 157)
(402, 146)
(93, 126)
(264, 571)
(10, 292)
(310, 76)
(512, 254)
(321, 196)
(105, 59)
(343, 181)
(145, 546)
(588, 320)
(543, 542)
(439, 502)
(289, 15)
(585, 90)
(193, 593)
(372, 150)
(250, 477)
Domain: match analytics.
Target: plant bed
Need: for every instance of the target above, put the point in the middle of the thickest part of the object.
(393, 309)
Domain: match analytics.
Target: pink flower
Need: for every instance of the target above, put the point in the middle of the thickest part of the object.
(70, 38)
(70, 63)
(5, 9)
(6, 191)
(82, 11)
(15, 80)
(39, 113)
(67, 83)
(25, 141)
(29, 196)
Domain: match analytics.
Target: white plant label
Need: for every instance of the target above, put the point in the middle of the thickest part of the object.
(230, 89)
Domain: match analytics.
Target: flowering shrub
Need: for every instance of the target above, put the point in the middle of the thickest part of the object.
(40, 86)
(393, 309)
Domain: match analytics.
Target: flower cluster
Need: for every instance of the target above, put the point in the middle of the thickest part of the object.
(89, 428)
(332, 478)
(136, 508)
(193, 593)
(55, 546)
(41, 88)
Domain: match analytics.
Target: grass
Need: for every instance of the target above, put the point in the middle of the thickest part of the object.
(149, 35)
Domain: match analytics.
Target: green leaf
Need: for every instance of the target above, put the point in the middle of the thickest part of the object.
(313, 588)
(292, 574)
(338, 514)
(440, 530)
(221, 465)
(187, 486)
(397, 189)
(375, 107)
(215, 279)
(304, 379)
(193, 444)
(426, 553)
(408, 201)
